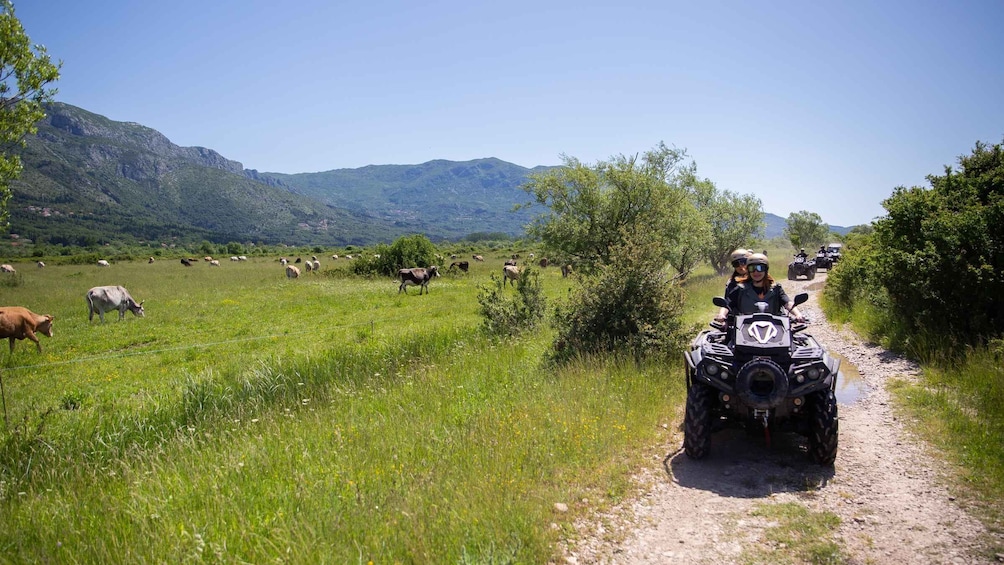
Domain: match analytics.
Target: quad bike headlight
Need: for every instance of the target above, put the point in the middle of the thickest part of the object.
(813, 373)
(711, 369)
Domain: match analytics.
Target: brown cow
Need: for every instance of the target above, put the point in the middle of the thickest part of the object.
(543, 263)
(292, 272)
(463, 265)
(511, 274)
(17, 322)
(418, 277)
(566, 270)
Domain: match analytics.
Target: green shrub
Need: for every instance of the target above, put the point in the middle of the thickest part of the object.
(504, 314)
(630, 303)
(405, 253)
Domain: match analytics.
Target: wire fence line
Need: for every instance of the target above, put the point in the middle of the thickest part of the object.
(106, 356)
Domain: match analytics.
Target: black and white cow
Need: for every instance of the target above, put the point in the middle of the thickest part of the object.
(418, 277)
(103, 299)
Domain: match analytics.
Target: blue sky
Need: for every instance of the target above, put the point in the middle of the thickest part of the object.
(818, 106)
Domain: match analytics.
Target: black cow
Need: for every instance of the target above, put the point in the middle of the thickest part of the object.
(463, 265)
(186, 262)
(418, 277)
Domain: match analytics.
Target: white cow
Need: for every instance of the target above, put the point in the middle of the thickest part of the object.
(317, 265)
(308, 265)
(214, 263)
(41, 265)
(103, 299)
(103, 263)
(292, 272)
(7, 268)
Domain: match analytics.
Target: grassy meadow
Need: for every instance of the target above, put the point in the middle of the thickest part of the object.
(329, 419)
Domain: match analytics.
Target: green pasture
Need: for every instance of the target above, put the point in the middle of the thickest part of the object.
(328, 419)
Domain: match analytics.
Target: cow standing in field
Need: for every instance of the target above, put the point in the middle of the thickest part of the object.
(103, 263)
(150, 260)
(41, 265)
(186, 262)
(510, 274)
(214, 263)
(103, 299)
(462, 265)
(566, 270)
(309, 266)
(543, 263)
(477, 258)
(418, 277)
(292, 272)
(17, 322)
(7, 268)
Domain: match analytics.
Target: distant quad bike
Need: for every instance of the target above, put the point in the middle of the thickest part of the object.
(833, 252)
(802, 267)
(823, 260)
(758, 371)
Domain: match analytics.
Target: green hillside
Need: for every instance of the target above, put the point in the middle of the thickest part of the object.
(87, 178)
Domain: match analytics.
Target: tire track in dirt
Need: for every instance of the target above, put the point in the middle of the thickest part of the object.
(884, 485)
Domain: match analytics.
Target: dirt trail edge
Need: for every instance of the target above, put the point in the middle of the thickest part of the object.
(884, 486)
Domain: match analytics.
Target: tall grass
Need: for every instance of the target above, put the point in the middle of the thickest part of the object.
(328, 419)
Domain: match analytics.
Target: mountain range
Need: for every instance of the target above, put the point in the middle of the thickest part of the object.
(89, 179)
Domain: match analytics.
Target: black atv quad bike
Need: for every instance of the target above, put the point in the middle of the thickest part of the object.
(802, 267)
(760, 371)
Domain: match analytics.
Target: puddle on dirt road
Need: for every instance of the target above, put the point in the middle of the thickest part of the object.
(850, 385)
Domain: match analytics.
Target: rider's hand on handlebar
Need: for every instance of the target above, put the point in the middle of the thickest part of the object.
(720, 319)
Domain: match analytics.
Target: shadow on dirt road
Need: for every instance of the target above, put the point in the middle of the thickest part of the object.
(740, 465)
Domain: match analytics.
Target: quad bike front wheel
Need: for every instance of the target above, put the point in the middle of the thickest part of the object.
(823, 438)
(697, 422)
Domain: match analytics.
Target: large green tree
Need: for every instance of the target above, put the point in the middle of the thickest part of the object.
(25, 71)
(619, 220)
(806, 229)
(735, 219)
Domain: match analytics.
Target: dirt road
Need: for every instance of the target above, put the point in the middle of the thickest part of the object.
(884, 486)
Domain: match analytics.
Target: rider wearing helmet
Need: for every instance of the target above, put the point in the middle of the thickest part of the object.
(802, 254)
(758, 286)
(738, 259)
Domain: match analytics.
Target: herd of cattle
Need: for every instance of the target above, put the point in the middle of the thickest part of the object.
(18, 323)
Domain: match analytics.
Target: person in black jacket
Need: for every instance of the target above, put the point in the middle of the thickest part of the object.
(758, 286)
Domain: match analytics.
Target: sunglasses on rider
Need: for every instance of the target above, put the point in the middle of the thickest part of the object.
(758, 268)
(738, 262)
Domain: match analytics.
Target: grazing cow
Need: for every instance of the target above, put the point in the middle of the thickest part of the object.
(298, 260)
(17, 322)
(463, 265)
(7, 268)
(207, 258)
(150, 260)
(284, 261)
(234, 258)
(348, 257)
(214, 263)
(242, 257)
(510, 274)
(510, 262)
(308, 266)
(186, 262)
(477, 258)
(566, 270)
(103, 299)
(531, 255)
(334, 257)
(543, 263)
(418, 277)
(41, 265)
(317, 266)
(103, 263)
(292, 272)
